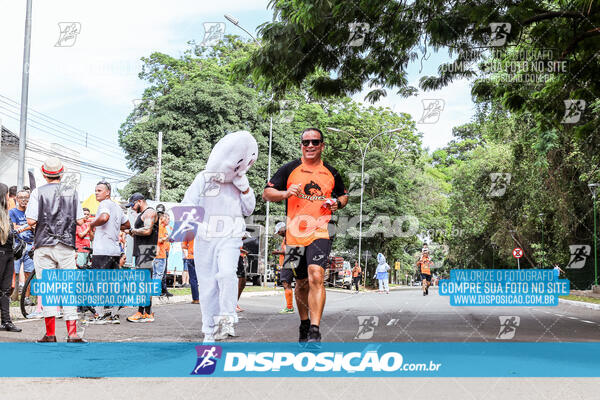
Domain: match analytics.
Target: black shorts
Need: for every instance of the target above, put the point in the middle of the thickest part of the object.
(241, 271)
(426, 277)
(316, 253)
(286, 275)
(105, 262)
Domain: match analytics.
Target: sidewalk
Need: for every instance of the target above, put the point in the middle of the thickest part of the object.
(583, 303)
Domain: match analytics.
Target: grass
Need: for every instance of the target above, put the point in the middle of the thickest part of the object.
(581, 298)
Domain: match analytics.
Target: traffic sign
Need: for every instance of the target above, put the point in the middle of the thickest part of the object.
(518, 252)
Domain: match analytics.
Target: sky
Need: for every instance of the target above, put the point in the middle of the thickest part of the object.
(88, 86)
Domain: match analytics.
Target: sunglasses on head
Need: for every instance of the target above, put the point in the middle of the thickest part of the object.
(315, 142)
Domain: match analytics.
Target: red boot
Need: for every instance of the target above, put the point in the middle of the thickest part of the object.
(50, 336)
(72, 330)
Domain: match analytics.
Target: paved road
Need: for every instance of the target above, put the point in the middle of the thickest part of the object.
(403, 315)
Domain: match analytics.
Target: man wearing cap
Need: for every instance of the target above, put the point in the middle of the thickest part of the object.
(55, 211)
(286, 275)
(145, 241)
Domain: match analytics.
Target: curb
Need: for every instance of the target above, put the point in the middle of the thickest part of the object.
(580, 304)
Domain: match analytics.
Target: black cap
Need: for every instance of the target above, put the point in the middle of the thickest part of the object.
(135, 197)
(160, 209)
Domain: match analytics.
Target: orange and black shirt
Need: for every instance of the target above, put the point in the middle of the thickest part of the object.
(424, 263)
(307, 219)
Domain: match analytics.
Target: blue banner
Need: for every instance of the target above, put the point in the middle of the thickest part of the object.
(289, 360)
(503, 287)
(95, 287)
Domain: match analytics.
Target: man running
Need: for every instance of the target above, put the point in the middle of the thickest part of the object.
(424, 264)
(145, 240)
(313, 190)
(107, 226)
(286, 275)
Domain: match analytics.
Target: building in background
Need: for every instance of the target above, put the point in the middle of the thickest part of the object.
(36, 152)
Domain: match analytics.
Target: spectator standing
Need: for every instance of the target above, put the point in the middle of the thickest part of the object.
(145, 241)
(12, 197)
(82, 240)
(23, 266)
(6, 262)
(190, 265)
(107, 226)
(356, 272)
(55, 211)
(382, 275)
(160, 262)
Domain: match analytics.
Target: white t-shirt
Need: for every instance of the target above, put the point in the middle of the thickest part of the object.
(106, 237)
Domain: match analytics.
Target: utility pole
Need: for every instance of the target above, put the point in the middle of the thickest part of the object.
(24, 98)
(159, 167)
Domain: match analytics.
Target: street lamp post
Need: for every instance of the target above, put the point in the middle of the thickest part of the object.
(593, 188)
(236, 22)
(541, 215)
(363, 153)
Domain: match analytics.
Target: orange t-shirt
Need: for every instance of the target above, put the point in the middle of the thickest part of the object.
(164, 246)
(424, 264)
(189, 246)
(356, 271)
(307, 219)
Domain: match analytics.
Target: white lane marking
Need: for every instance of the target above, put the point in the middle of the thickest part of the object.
(392, 322)
(587, 322)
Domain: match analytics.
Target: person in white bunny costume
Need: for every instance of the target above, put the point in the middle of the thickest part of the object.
(224, 192)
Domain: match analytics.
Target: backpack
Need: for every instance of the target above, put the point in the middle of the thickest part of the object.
(19, 245)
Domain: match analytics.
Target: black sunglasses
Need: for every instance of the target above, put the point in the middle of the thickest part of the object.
(315, 142)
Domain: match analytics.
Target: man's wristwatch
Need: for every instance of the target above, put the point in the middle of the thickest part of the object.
(339, 203)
